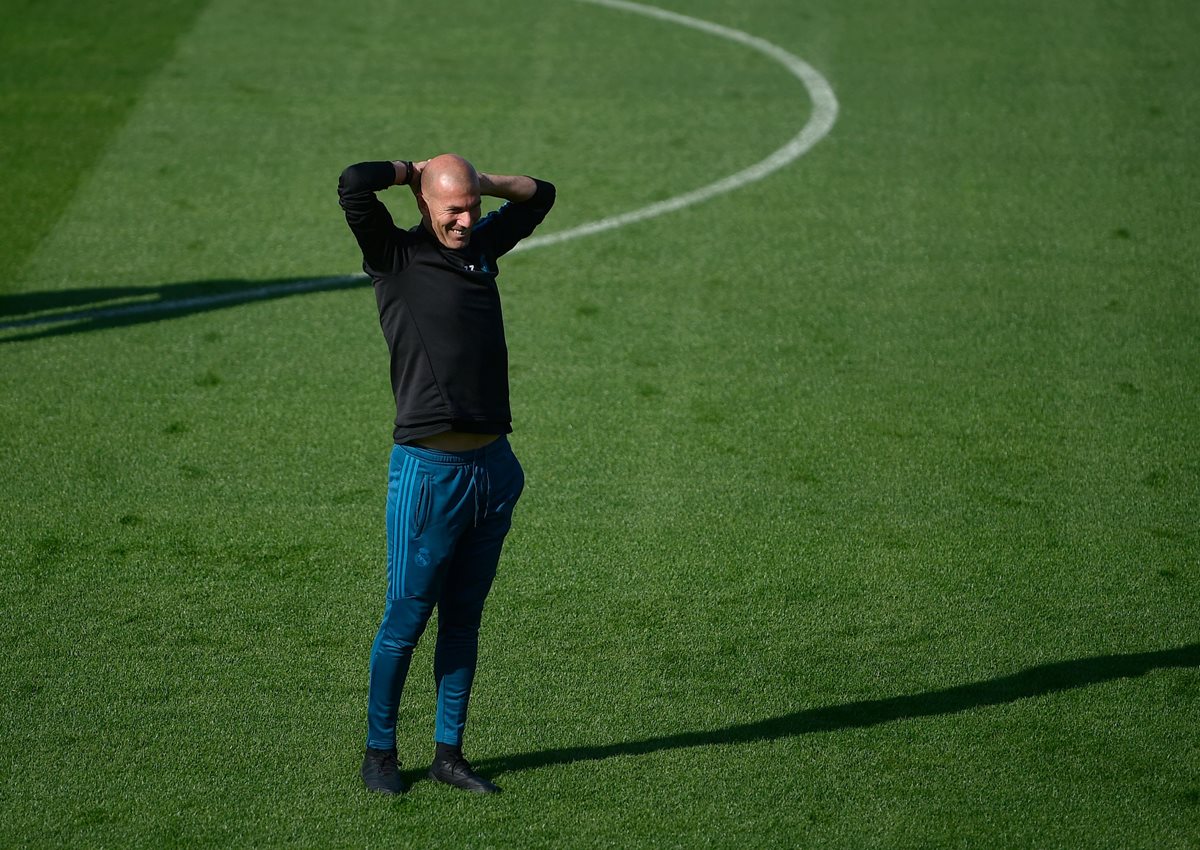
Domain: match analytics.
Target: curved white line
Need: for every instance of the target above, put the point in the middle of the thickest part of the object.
(820, 122)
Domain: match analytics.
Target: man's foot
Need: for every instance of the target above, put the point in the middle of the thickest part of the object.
(450, 767)
(381, 773)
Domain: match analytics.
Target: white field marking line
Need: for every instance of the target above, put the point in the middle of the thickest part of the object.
(820, 122)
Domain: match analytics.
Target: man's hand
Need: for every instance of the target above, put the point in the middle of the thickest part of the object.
(410, 178)
(414, 179)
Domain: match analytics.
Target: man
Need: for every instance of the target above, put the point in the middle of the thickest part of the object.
(453, 479)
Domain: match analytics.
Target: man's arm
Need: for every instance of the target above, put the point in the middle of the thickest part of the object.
(408, 173)
(519, 189)
(529, 200)
(368, 218)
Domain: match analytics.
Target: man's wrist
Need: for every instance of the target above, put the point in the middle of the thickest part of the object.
(404, 171)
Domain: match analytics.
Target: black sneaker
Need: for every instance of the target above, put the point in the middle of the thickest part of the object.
(381, 773)
(452, 769)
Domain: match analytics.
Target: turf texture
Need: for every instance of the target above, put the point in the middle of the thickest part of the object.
(861, 504)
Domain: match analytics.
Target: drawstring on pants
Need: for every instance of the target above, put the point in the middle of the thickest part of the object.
(481, 484)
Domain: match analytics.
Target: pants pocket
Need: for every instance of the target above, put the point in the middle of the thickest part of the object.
(421, 508)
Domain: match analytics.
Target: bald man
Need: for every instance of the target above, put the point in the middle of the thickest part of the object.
(453, 480)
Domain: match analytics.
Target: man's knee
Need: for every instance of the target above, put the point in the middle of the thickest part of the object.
(458, 626)
(403, 624)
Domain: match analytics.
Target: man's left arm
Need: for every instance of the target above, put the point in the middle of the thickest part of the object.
(529, 200)
(510, 188)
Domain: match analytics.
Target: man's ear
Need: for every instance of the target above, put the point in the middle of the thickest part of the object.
(421, 205)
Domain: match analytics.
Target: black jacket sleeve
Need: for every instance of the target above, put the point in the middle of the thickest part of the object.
(368, 218)
(508, 225)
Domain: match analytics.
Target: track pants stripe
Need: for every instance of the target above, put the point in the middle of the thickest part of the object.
(399, 520)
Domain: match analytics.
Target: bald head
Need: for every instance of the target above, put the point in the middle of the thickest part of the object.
(449, 172)
(449, 199)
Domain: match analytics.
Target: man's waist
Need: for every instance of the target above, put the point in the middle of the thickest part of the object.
(456, 441)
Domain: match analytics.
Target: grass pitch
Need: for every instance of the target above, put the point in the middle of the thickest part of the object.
(861, 504)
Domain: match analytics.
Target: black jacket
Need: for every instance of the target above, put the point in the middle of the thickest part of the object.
(439, 308)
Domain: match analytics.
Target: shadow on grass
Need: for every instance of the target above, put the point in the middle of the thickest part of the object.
(36, 315)
(1032, 682)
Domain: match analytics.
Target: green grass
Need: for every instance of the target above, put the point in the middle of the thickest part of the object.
(861, 504)
(69, 74)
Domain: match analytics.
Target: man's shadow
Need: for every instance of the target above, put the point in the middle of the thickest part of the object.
(1031, 682)
(36, 315)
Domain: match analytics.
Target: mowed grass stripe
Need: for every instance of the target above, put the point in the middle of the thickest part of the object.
(69, 75)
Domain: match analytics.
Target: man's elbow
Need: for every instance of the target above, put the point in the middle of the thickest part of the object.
(352, 181)
(545, 194)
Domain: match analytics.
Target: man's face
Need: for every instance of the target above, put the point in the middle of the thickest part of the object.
(451, 214)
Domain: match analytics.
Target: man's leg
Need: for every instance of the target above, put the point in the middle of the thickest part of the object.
(498, 482)
(403, 623)
(424, 518)
(460, 611)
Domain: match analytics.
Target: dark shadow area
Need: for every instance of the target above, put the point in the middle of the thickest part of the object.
(36, 315)
(1032, 682)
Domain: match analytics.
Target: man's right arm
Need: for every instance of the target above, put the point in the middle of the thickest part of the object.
(368, 218)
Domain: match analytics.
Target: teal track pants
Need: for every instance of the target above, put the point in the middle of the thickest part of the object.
(447, 516)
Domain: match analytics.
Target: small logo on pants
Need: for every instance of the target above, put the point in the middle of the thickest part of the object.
(422, 558)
